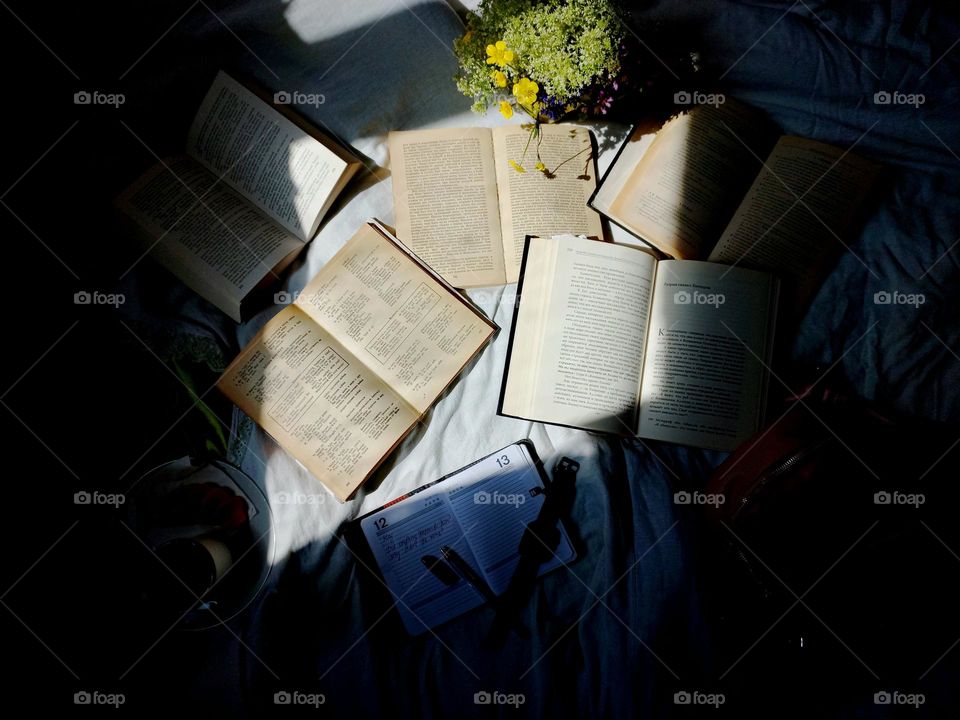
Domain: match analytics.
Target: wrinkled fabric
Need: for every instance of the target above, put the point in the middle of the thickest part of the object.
(383, 65)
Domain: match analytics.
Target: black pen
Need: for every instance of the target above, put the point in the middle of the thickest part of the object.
(441, 570)
(466, 572)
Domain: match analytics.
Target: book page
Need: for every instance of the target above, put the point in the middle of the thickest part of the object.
(534, 204)
(445, 194)
(320, 403)
(692, 178)
(277, 166)
(710, 336)
(401, 536)
(622, 168)
(772, 231)
(414, 332)
(205, 233)
(578, 343)
(494, 500)
(481, 512)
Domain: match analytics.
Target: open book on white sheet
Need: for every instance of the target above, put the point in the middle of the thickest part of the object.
(722, 184)
(247, 196)
(607, 338)
(466, 212)
(481, 511)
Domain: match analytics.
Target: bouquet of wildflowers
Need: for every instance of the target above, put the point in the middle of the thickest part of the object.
(552, 59)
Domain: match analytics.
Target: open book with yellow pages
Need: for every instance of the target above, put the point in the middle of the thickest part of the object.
(340, 377)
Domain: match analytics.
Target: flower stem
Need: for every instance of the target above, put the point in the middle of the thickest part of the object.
(533, 131)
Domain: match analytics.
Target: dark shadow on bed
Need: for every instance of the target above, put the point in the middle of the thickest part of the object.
(681, 640)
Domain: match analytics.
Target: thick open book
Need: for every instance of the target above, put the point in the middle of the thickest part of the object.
(339, 377)
(721, 184)
(463, 209)
(247, 196)
(481, 511)
(605, 337)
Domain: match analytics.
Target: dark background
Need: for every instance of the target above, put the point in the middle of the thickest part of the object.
(87, 405)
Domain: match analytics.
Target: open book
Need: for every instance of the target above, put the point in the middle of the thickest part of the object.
(232, 212)
(463, 209)
(605, 337)
(339, 377)
(481, 511)
(720, 184)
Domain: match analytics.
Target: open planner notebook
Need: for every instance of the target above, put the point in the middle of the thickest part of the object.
(481, 511)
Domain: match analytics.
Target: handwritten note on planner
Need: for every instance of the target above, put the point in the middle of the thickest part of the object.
(481, 512)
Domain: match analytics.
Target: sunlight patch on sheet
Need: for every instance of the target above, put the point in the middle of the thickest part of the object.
(317, 20)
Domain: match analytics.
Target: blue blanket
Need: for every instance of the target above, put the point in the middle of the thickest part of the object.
(621, 630)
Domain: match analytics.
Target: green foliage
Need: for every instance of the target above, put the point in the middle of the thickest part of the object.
(565, 46)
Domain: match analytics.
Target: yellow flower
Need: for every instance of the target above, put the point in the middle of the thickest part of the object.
(541, 167)
(506, 109)
(516, 166)
(526, 91)
(498, 54)
(499, 79)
